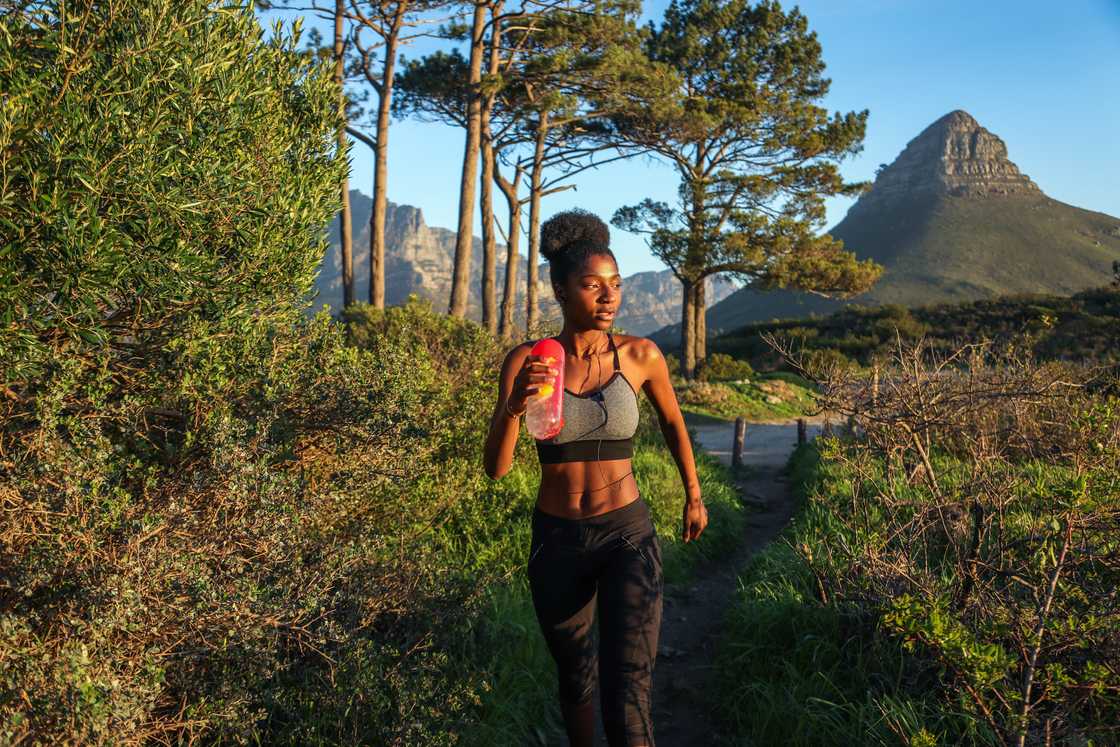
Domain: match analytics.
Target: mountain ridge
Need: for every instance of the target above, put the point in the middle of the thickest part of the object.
(951, 219)
(420, 259)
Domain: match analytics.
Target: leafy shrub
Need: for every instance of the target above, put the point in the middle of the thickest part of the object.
(819, 362)
(180, 447)
(722, 367)
(673, 363)
(972, 529)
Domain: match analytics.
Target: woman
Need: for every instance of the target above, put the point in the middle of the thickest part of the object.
(593, 543)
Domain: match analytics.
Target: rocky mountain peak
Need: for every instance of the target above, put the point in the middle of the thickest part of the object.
(955, 156)
(404, 220)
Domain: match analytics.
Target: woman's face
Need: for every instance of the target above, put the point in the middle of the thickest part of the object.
(593, 293)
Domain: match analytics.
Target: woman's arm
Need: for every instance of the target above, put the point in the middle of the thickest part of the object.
(659, 389)
(521, 378)
(497, 455)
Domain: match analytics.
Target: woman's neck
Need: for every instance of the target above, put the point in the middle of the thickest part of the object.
(583, 342)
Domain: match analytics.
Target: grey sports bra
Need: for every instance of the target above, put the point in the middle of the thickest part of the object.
(598, 425)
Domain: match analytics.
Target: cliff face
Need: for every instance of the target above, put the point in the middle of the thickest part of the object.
(420, 259)
(950, 219)
(953, 156)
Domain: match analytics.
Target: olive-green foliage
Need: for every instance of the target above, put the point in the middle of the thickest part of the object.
(1084, 326)
(163, 170)
(165, 178)
(722, 367)
(897, 613)
(818, 363)
(673, 363)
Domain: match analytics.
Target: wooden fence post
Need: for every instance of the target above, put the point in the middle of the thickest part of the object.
(801, 432)
(740, 436)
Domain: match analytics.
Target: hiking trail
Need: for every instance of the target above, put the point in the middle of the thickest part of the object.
(693, 610)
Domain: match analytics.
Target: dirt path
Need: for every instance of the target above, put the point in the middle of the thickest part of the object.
(693, 612)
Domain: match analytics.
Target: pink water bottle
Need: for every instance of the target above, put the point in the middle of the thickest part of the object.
(544, 411)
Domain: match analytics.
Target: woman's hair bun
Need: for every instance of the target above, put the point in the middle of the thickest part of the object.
(571, 227)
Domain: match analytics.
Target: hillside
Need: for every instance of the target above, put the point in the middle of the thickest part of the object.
(951, 219)
(1084, 326)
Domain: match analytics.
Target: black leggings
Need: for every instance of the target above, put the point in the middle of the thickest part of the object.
(615, 556)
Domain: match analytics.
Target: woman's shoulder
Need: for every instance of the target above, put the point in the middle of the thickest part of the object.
(515, 356)
(639, 349)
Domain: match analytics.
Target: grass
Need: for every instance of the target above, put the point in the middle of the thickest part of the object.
(768, 396)
(795, 670)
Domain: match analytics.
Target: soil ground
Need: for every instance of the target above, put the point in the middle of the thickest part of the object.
(693, 611)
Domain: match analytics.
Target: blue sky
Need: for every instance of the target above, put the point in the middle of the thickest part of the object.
(1043, 76)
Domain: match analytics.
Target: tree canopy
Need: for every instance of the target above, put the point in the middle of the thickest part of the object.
(755, 153)
(161, 164)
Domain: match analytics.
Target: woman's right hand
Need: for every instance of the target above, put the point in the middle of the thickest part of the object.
(536, 371)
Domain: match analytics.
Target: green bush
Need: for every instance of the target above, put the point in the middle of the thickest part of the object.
(722, 367)
(819, 362)
(167, 177)
(949, 578)
(225, 522)
(673, 363)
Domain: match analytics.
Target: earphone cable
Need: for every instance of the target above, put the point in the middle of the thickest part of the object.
(598, 398)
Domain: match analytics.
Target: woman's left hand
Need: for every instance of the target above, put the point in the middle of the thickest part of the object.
(695, 519)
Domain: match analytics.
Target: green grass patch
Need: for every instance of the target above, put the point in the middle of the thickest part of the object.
(769, 396)
(795, 669)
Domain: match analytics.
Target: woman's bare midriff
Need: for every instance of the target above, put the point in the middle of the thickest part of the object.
(574, 490)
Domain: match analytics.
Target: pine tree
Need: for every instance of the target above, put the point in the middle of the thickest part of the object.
(755, 156)
(557, 75)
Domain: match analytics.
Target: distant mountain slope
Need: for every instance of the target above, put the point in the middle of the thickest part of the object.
(419, 259)
(1084, 326)
(951, 219)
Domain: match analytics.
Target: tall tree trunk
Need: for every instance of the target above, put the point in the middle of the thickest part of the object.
(345, 229)
(381, 170)
(688, 330)
(701, 304)
(489, 244)
(535, 222)
(513, 241)
(693, 321)
(489, 248)
(460, 282)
